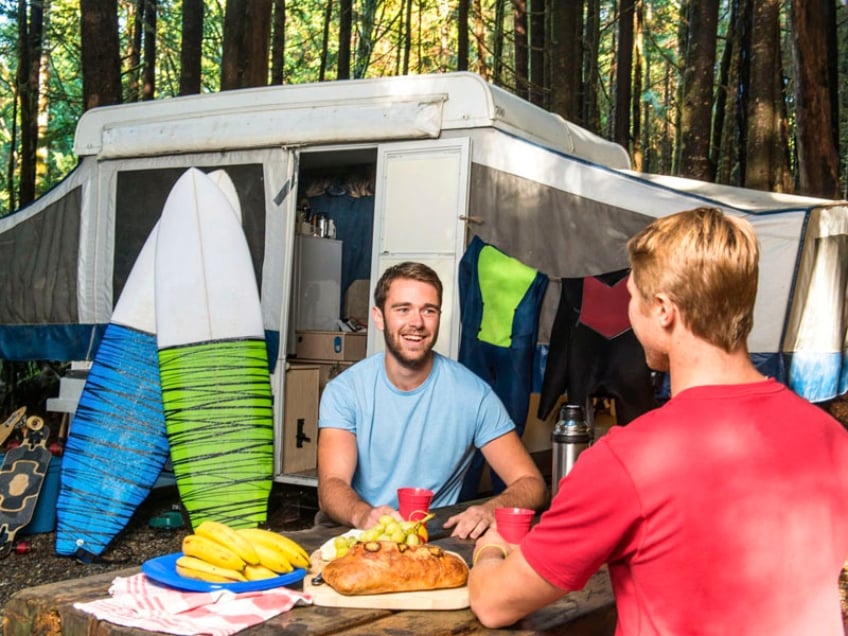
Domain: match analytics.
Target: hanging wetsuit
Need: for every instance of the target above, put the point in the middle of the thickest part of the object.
(593, 350)
(500, 300)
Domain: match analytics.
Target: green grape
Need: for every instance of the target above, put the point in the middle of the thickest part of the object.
(392, 528)
(387, 519)
(342, 550)
(384, 537)
(398, 536)
(413, 539)
(340, 542)
(371, 534)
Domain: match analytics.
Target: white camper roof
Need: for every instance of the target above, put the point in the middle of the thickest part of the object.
(742, 199)
(348, 111)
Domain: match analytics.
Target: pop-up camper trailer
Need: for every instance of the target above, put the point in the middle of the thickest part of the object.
(397, 168)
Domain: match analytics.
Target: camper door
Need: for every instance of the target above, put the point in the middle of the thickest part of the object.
(421, 199)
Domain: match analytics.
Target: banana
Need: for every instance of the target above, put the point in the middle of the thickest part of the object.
(272, 559)
(194, 568)
(229, 538)
(211, 552)
(291, 550)
(259, 572)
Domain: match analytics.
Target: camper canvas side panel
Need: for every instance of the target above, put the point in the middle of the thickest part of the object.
(40, 258)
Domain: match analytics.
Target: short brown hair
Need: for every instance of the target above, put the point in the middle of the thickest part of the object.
(707, 263)
(409, 270)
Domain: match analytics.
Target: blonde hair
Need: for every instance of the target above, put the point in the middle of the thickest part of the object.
(707, 263)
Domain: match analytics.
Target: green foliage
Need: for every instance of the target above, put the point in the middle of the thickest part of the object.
(28, 383)
(377, 49)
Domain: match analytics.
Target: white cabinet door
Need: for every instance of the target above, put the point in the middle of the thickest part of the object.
(420, 202)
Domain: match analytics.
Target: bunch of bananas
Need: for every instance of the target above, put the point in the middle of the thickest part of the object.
(218, 553)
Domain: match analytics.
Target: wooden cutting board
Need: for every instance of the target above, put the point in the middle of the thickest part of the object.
(324, 595)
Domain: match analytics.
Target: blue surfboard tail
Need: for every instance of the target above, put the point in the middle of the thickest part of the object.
(117, 445)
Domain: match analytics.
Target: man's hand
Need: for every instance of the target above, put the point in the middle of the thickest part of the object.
(471, 523)
(373, 515)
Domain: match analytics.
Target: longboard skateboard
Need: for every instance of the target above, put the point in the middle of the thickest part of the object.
(21, 478)
(10, 423)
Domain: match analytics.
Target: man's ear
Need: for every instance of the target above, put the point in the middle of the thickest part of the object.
(665, 310)
(377, 317)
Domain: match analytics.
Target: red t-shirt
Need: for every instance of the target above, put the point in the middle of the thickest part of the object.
(723, 512)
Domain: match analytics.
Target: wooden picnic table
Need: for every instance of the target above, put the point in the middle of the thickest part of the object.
(48, 609)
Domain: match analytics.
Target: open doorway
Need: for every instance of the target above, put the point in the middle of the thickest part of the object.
(333, 244)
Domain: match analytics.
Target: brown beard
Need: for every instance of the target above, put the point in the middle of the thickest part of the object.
(407, 363)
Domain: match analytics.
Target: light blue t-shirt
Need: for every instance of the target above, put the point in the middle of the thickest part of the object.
(423, 438)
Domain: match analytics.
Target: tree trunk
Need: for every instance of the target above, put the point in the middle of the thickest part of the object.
(420, 30)
(345, 34)
(365, 39)
(101, 60)
(11, 165)
(258, 42)
(765, 160)
(831, 21)
(498, 43)
(667, 143)
(407, 36)
(538, 88)
(591, 75)
(148, 90)
(698, 77)
(635, 111)
(522, 60)
(623, 75)
(480, 40)
(30, 35)
(567, 60)
(546, 58)
(325, 39)
(134, 54)
(278, 43)
(247, 38)
(682, 43)
(818, 163)
(720, 159)
(648, 151)
(462, 36)
(190, 49)
(399, 41)
(743, 88)
(231, 57)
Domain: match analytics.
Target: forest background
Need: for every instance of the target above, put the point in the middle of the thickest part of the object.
(752, 93)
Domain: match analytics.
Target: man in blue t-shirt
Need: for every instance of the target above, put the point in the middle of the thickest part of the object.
(412, 417)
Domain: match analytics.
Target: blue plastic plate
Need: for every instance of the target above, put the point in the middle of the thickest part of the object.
(163, 570)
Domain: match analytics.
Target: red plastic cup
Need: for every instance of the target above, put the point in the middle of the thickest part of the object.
(414, 503)
(513, 523)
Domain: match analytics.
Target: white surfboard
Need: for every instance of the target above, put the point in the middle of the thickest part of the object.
(213, 363)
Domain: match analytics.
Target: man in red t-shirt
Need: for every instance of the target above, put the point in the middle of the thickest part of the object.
(725, 511)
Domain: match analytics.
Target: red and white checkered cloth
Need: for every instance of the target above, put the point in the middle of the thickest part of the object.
(136, 601)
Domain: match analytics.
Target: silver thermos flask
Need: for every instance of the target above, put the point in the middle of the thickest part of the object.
(571, 436)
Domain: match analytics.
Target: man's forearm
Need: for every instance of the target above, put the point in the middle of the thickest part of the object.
(526, 492)
(341, 503)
